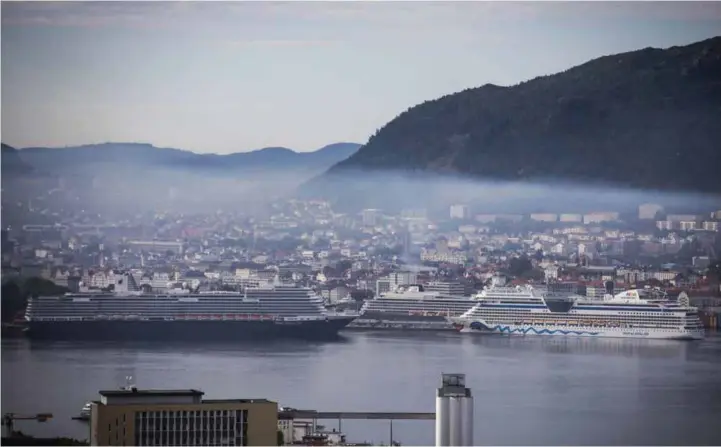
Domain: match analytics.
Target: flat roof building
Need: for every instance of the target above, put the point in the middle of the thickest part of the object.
(180, 417)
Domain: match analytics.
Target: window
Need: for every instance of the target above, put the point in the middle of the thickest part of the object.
(137, 440)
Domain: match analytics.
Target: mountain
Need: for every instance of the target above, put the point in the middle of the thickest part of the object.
(113, 179)
(146, 156)
(647, 119)
(12, 164)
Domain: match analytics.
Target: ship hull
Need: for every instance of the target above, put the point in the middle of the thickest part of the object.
(389, 320)
(186, 330)
(477, 326)
(389, 316)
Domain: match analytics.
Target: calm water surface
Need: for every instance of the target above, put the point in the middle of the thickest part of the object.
(528, 390)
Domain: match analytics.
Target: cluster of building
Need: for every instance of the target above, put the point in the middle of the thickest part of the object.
(351, 257)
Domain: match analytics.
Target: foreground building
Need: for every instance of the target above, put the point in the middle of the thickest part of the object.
(180, 417)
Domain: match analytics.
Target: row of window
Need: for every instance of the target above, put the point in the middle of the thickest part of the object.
(176, 304)
(577, 312)
(61, 311)
(199, 427)
(584, 318)
(184, 413)
(205, 312)
(671, 321)
(576, 318)
(144, 303)
(429, 306)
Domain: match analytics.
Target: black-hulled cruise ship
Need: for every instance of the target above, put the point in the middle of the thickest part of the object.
(267, 311)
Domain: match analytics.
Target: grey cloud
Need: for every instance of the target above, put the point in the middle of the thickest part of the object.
(413, 15)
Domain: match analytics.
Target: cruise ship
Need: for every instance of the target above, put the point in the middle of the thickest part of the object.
(266, 311)
(636, 313)
(413, 307)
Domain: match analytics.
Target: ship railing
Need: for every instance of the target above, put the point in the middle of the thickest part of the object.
(215, 317)
(344, 313)
(226, 317)
(220, 292)
(302, 318)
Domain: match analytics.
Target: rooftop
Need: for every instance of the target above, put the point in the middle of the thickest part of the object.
(158, 393)
(238, 401)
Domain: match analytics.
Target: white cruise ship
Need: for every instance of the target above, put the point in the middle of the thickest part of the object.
(411, 306)
(629, 314)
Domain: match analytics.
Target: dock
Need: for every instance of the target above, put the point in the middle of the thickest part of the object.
(397, 416)
(339, 416)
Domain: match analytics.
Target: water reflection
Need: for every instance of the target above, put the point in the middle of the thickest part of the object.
(279, 346)
(529, 390)
(625, 347)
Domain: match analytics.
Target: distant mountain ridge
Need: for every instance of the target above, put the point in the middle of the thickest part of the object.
(12, 163)
(149, 156)
(648, 119)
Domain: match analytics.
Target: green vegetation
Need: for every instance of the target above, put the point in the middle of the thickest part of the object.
(19, 438)
(361, 295)
(522, 267)
(15, 293)
(714, 271)
(631, 119)
(12, 164)
(519, 266)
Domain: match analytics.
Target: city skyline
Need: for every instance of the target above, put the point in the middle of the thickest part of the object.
(238, 76)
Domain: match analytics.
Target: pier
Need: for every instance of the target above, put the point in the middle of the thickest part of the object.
(315, 416)
(453, 416)
(312, 414)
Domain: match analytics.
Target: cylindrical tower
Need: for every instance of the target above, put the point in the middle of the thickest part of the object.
(442, 421)
(456, 421)
(467, 420)
(454, 412)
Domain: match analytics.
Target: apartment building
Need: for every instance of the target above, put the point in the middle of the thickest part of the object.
(455, 288)
(393, 280)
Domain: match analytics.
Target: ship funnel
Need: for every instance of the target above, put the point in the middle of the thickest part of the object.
(498, 281)
(683, 300)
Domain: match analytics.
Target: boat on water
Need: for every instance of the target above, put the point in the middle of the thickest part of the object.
(86, 411)
(411, 306)
(265, 311)
(84, 414)
(639, 313)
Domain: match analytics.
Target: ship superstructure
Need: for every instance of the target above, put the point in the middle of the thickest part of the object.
(264, 311)
(412, 306)
(635, 313)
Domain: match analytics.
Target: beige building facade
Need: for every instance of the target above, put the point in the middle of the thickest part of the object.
(180, 417)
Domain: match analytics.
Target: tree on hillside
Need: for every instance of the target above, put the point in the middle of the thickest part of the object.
(534, 274)
(344, 265)
(519, 266)
(538, 256)
(714, 271)
(12, 300)
(360, 295)
(15, 294)
(35, 286)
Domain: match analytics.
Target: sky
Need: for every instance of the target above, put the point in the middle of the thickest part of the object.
(223, 77)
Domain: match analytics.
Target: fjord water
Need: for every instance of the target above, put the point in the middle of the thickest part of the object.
(528, 390)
